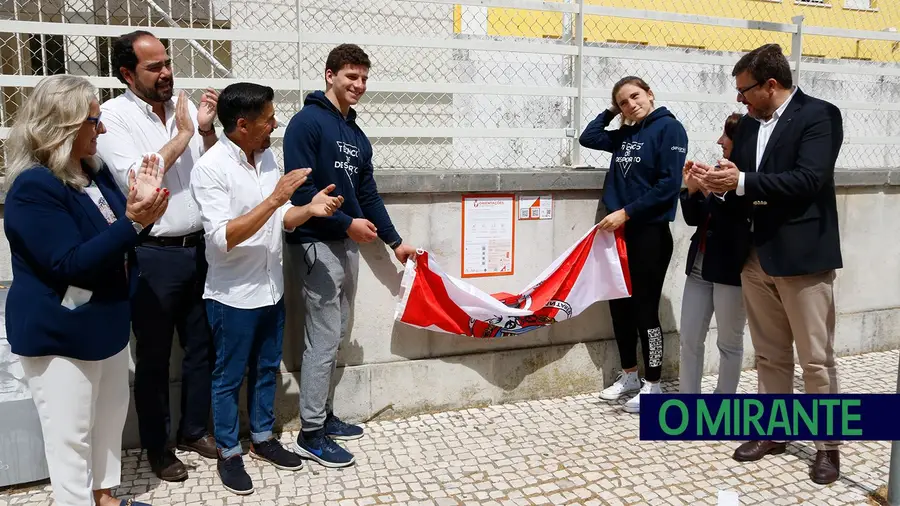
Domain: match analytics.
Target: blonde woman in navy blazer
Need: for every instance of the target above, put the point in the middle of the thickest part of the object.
(71, 234)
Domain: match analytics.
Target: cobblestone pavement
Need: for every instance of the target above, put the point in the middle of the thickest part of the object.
(573, 450)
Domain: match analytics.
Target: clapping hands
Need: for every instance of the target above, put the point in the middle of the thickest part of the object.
(146, 200)
(720, 179)
(148, 177)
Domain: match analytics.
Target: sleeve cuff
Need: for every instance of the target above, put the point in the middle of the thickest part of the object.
(219, 238)
(345, 220)
(740, 186)
(282, 212)
(608, 116)
(394, 244)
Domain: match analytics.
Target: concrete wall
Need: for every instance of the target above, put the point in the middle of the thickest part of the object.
(390, 369)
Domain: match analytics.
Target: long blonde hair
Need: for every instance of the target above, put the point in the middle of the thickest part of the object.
(45, 129)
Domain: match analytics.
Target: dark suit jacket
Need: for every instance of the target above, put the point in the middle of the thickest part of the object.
(58, 238)
(727, 236)
(791, 198)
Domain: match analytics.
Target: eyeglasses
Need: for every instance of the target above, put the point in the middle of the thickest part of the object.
(95, 120)
(748, 88)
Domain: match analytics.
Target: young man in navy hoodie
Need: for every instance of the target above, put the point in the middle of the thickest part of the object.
(324, 136)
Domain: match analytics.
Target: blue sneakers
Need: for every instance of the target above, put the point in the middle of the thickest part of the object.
(316, 445)
(337, 429)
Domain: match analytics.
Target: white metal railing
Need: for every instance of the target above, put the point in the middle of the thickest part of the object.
(580, 96)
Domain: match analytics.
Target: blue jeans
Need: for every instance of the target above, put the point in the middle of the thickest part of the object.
(244, 339)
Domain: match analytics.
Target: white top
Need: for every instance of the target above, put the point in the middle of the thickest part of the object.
(133, 130)
(93, 191)
(226, 187)
(766, 127)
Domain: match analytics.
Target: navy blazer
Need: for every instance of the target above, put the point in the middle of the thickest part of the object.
(727, 236)
(58, 237)
(791, 198)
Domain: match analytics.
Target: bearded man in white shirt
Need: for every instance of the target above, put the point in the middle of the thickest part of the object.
(245, 207)
(147, 119)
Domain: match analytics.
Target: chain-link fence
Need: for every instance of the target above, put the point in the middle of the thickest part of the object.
(485, 85)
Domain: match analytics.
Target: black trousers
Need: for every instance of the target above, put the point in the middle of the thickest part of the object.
(649, 247)
(169, 297)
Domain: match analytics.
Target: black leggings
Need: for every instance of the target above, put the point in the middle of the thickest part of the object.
(649, 247)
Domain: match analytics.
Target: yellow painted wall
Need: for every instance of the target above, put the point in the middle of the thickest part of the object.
(525, 23)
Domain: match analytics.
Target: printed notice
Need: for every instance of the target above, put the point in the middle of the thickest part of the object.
(488, 235)
(536, 208)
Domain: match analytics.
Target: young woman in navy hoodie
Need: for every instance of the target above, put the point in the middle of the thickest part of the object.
(640, 193)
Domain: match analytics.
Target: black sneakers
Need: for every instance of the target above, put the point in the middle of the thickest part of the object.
(233, 475)
(235, 478)
(272, 452)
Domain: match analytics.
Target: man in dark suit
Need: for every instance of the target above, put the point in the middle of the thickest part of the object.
(782, 165)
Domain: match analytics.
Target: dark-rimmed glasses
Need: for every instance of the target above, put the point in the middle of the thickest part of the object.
(95, 120)
(748, 88)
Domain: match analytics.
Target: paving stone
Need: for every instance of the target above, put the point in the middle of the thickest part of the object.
(571, 450)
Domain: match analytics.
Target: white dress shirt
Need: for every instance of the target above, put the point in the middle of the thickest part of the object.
(226, 187)
(766, 127)
(133, 130)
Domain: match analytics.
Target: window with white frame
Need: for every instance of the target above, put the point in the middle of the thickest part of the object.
(859, 4)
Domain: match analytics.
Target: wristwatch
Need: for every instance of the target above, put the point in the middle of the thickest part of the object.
(396, 244)
(138, 228)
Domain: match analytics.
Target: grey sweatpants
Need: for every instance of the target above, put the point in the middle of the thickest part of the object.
(328, 273)
(701, 299)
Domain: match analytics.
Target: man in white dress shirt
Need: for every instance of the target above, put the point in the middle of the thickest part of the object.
(147, 119)
(245, 207)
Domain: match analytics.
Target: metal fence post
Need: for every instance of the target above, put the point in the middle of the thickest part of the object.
(893, 492)
(797, 48)
(578, 76)
(299, 55)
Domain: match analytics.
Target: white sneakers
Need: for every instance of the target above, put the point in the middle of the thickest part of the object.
(634, 404)
(628, 383)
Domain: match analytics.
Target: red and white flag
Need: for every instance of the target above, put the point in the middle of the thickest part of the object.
(593, 269)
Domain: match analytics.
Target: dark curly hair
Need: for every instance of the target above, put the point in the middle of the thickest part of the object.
(123, 53)
(764, 63)
(346, 54)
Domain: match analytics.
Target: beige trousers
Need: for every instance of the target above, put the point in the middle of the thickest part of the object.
(782, 312)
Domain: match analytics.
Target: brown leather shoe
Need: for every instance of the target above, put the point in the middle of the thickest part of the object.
(205, 446)
(752, 451)
(166, 466)
(827, 467)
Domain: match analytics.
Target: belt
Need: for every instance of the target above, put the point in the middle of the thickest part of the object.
(184, 241)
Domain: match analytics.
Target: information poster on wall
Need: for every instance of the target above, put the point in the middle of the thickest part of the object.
(488, 235)
(535, 207)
